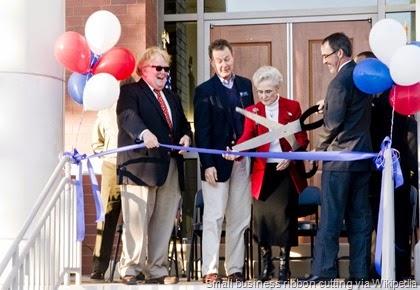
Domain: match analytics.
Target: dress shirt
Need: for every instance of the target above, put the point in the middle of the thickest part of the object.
(272, 113)
(167, 106)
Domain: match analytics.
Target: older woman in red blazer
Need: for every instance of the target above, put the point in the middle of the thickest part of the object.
(275, 182)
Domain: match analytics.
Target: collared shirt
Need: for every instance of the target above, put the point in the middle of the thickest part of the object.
(166, 103)
(343, 64)
(227, 83)
(272, 113)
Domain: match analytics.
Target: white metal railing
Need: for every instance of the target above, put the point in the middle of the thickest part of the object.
(46, 250)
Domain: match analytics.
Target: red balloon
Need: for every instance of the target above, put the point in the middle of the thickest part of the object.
(118, 61)
(405, 99)
(71, 50)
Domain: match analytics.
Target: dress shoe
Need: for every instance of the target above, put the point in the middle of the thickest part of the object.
(211, 278)
(316, 279)
(140, 277)
(97, 276)
(167, 280)
(129, 280)
(236, 277)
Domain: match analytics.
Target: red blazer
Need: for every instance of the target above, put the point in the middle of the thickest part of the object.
(289, 111)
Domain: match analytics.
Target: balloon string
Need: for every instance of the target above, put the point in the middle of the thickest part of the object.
(391, 130)
(78, 128)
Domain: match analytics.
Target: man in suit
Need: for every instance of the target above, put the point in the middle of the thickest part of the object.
(151, 177)
(345, 184)
(225, 184)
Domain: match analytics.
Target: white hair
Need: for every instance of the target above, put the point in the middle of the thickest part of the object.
(265, 73)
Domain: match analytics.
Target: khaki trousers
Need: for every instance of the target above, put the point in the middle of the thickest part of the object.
(149, 216)
(230, 199)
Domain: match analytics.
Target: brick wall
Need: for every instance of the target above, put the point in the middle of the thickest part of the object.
(139, 30)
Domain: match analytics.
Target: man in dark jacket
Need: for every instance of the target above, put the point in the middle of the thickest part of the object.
(225, 183)
(345, 184)
(151, 177)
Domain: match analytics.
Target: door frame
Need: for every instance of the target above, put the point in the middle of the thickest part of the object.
(204, 73)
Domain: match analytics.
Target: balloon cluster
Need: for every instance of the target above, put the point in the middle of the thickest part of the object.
(96, 64)
(397, 67)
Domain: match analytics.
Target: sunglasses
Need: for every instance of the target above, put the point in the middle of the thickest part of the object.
(160, 68)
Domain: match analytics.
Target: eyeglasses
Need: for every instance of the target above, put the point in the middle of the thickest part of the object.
(267, 92)
(160, 68)
(324, 56)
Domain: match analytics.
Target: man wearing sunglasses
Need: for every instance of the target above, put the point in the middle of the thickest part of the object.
(345, 184)
(225, 183)
(151, 177)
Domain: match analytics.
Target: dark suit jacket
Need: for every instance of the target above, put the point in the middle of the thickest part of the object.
(214, 121)
(346, 121)
(137, 110)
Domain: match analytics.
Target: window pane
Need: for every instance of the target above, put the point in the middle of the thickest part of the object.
(183, 48)
(267, 5)
(180, 6)
(400, 2)
(408, 20)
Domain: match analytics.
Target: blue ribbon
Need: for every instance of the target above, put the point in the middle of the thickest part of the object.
(77, 158)
(398, 181)
(396, 167)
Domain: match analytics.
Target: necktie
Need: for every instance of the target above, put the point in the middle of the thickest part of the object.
(164, 108)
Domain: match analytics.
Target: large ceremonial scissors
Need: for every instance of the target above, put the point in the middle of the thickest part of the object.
(276, 130)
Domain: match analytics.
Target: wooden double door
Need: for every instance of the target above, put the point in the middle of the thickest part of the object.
(269, 44)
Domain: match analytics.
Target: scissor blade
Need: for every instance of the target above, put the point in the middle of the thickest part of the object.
(258, 119)
(257, 141)
(281, 131)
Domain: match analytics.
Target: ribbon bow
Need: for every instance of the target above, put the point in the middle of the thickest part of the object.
(396, 167)
(77, 159)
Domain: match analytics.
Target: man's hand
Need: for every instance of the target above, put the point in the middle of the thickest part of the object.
(150, 140)
(230, 157)
(211, 175)
(282, 165)
(185, 141)
(321, 106)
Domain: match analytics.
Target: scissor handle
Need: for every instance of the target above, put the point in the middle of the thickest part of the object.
(312, 171)
(305, 115)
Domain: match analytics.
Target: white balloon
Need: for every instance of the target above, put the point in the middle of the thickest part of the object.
(386, 36)
(102, 31)
(101, 91)
(405, 65)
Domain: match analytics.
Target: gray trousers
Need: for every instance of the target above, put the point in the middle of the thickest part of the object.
(344, 196)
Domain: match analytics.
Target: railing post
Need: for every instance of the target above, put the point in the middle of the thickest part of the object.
(67, 243)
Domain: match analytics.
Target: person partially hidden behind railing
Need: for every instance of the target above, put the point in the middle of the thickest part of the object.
(151, 177)
(104, 137)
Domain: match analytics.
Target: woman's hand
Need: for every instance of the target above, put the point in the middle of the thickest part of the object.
(282, 165)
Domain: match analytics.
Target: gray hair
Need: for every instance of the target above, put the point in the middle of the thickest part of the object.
(265, 73)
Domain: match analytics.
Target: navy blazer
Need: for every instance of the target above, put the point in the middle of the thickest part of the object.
(214, 121)
(346, 121)
(137, 110)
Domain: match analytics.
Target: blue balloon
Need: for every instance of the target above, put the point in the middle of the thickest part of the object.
(372, 76)
(76, 85)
